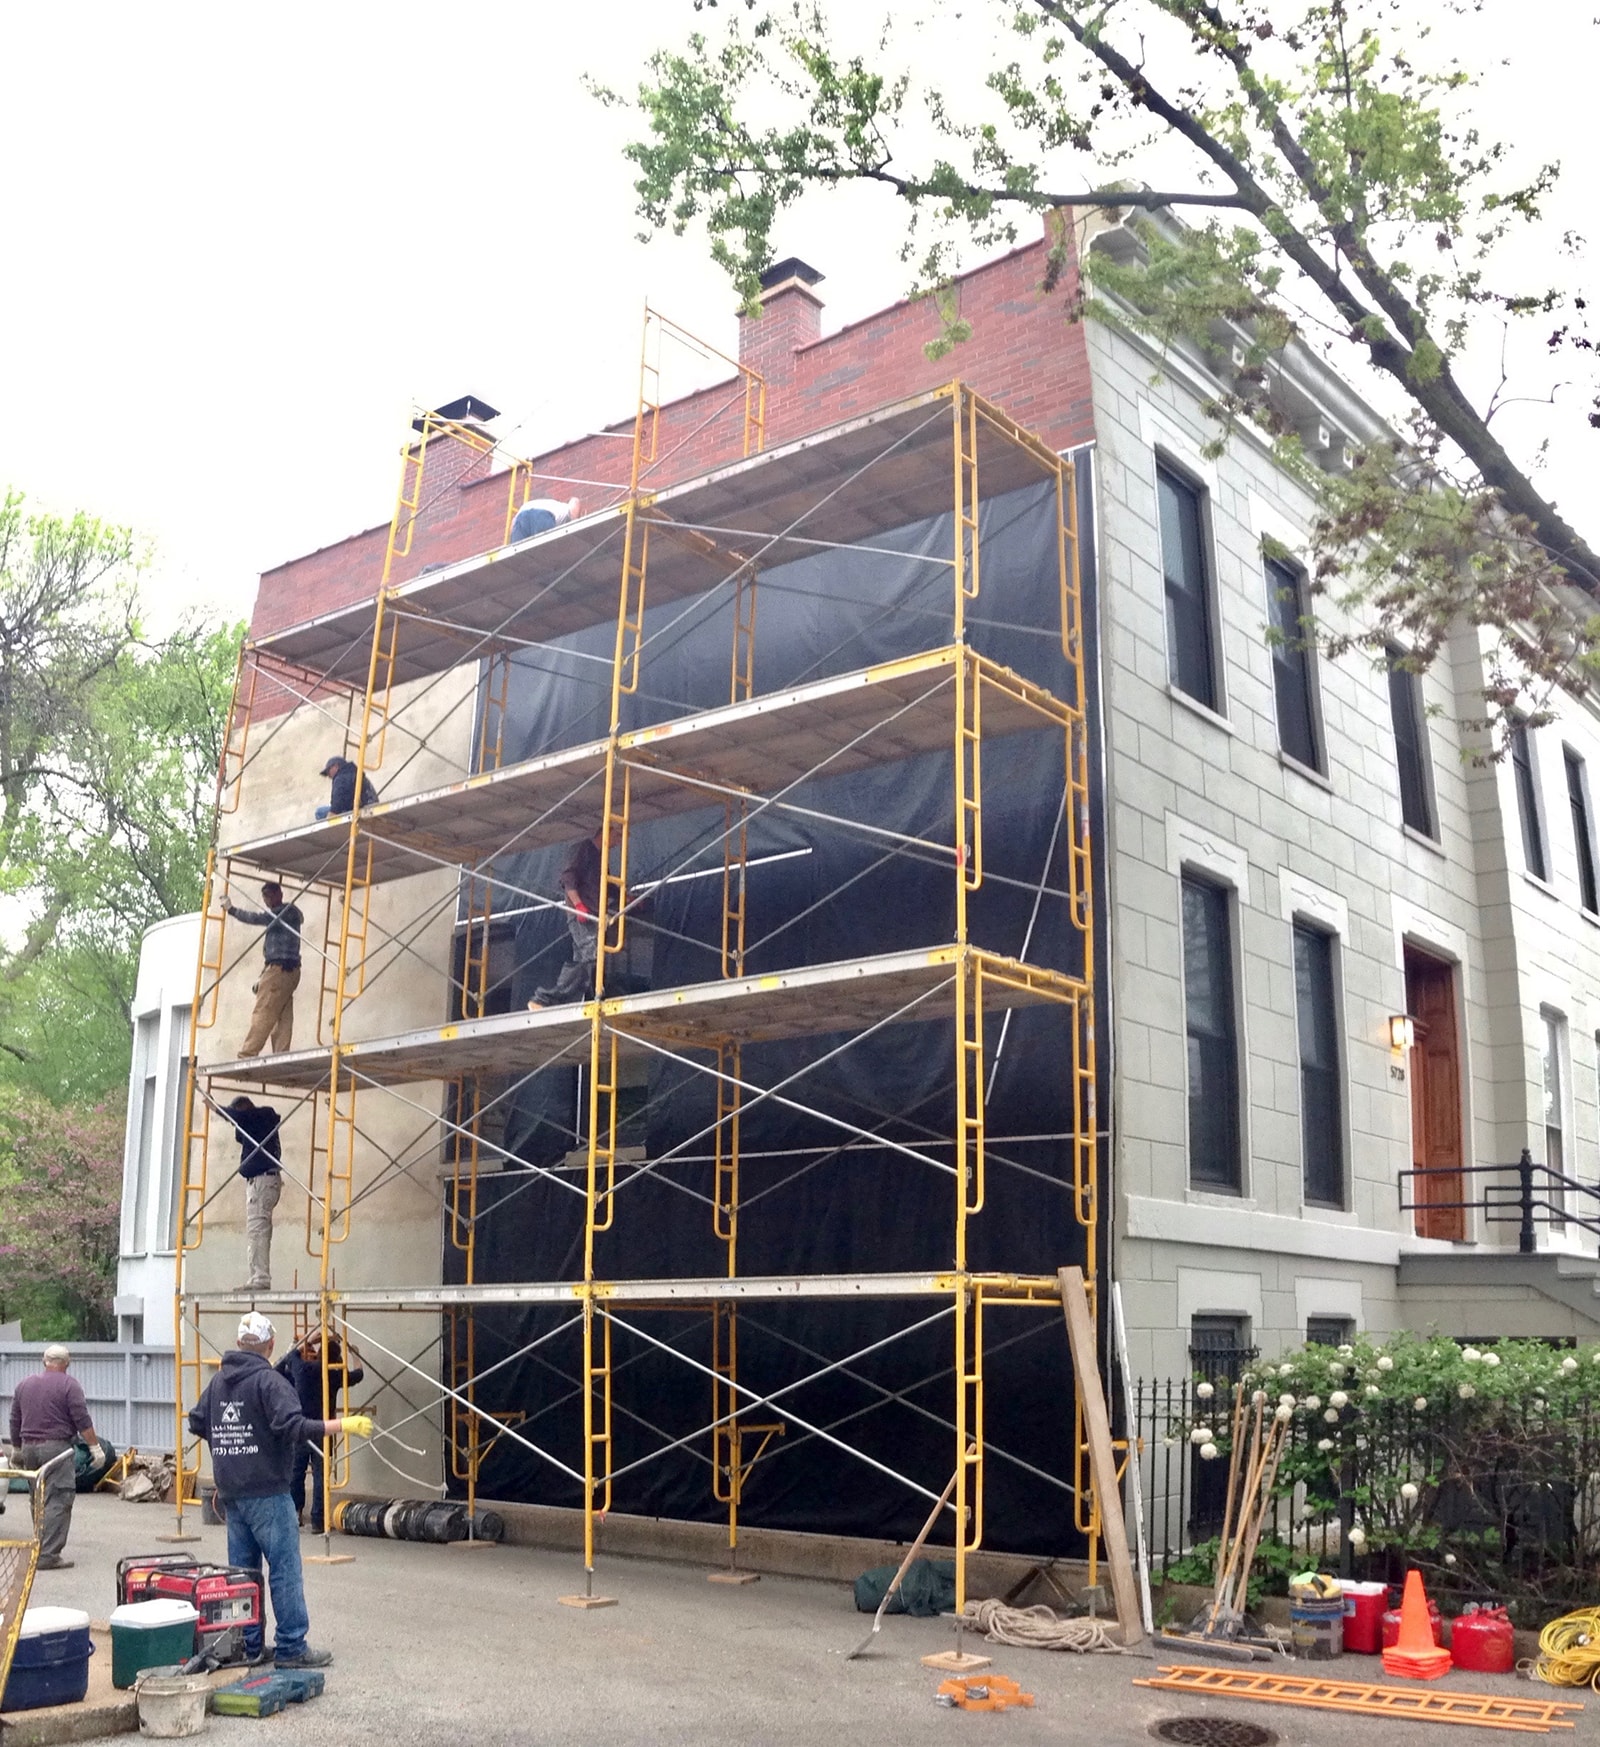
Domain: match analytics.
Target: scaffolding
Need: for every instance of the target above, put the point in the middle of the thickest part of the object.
(943, 452)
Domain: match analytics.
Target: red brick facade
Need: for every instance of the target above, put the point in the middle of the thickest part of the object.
(1024, 354)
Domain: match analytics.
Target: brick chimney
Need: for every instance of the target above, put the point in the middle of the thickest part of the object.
(456, 458)
(791, 317)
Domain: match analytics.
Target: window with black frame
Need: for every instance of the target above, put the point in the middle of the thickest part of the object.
(1525, 780)
(1211, 1022)
(1411, 745)
(1191, 663)
(1582, 829)
(1293, 677)
(1219, 1352)
(1321, 1089)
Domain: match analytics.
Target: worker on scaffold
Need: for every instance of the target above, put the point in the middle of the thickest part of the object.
(580, 887)
(280, 971)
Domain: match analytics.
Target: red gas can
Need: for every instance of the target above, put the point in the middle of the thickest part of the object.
(1391, 1625)
(1482, 1641)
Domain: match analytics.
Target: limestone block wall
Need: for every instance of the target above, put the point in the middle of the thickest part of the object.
(1192, 788)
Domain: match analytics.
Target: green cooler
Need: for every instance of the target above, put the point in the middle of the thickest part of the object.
(150, 1634)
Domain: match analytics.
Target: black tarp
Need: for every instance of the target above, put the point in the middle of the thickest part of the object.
(817, 1198)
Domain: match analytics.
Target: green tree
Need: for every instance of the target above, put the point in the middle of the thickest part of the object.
(109, 744)
(60, 1196)
(1339, 194)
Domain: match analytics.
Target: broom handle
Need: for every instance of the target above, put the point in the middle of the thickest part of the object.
(1225, 1574)
(1269, 1475)
(1233, 1475)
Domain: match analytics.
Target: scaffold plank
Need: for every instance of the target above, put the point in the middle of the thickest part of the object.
(855, 482)
(760, 746)
(812, 1000)
(712, 1289)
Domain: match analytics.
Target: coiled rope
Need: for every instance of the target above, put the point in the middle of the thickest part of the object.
(1041, 1628)
(1569, 1650)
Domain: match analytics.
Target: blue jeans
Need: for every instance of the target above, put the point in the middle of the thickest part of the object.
(530, 521)
(268, 1528)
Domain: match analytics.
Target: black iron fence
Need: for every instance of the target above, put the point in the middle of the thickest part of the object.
(1491, 1500)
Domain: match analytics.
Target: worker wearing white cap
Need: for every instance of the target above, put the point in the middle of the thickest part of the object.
(251, 1418)
(48, 1414)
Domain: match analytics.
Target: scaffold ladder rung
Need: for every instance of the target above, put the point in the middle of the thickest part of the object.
(1484, 1710)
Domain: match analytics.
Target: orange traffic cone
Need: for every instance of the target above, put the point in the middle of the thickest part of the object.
(1415, 1656)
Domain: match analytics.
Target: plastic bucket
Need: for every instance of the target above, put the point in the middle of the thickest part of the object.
(1316, 1628)
(172, 1705)
(1363, 1617)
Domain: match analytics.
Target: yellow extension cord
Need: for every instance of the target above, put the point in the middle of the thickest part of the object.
(1569, 1650)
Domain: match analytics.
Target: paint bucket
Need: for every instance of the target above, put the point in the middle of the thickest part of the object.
(1363, 1617)
(172, 1706)
(1316, 1618)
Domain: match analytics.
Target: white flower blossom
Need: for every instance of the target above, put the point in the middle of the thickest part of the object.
(1409, 1491)
(1373, 1392)
(1386, 1363)
(1313, 1402)
(1466, 1392)
(1331, 1415)
(1493, 1359)
(1200, 1435)
(1568, 1366)
(1338, 1399)
(1357, 1537)
(1449, 1558)
(1324, 1444)
(1285, 1401)
(1420, 1403)
(1208, 1452)
(1347, 1351)
(1247, 1378)
(1204, 1391)
(1283, 1414)
(1307, 1512)
(1259, 1398)
(1286, 1370)
(1337, 1367)
(1470, 1355)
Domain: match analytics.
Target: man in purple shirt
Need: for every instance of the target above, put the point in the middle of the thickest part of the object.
(48, 1412)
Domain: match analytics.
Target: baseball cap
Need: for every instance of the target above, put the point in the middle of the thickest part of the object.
(331, 766)
(253, 1326)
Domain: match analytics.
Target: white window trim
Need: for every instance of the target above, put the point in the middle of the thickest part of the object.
(1328, 912)
(1211, 1292)
(1571, 1241)
(1578, 755)
(1299, 897)
(1322, 1297)
(1546, 881)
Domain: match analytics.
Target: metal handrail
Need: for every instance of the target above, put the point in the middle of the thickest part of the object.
(1521, 1201)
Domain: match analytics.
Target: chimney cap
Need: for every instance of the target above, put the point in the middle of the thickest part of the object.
(790, 268)
(467, 407)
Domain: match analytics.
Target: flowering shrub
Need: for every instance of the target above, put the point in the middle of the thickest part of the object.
(1481, 1465)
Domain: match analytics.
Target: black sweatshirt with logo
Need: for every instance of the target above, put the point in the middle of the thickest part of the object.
(251, 1418)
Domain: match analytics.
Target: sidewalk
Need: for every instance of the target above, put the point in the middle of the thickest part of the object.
(434, 1647)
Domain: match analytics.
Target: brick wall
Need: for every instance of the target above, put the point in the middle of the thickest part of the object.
(1024, 354)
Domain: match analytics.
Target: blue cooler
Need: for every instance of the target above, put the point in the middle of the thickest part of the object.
(51, 1666)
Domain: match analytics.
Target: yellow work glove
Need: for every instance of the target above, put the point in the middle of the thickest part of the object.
(356, 1425)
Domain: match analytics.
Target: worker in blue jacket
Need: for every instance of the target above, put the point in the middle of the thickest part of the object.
(251, 1418)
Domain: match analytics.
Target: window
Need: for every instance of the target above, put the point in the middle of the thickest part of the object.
(1190, 666)
(1291, 664)
(1410, 745)
(1329, 1331)
(1213, 1040)
(1219, 1350)
(1522, 774)
(1321, 1099)
(1555, 1126)
(1582, 833)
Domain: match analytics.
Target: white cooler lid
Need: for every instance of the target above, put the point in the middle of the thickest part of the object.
(36, 1621)
(167, 1611)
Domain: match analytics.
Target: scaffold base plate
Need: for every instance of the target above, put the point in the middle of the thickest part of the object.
(587, 1601)
(733, 1577)
(956, 1661)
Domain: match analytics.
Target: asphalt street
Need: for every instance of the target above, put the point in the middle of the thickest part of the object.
(437, 1647)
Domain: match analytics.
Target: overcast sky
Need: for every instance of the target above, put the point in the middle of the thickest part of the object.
(242, 245)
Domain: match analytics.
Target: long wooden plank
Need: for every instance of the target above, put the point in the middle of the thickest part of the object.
(1102, 1459)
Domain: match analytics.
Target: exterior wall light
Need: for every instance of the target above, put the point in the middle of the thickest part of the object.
(1402, 1032)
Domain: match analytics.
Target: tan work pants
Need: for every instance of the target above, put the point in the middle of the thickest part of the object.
(260, 1197)
(274, 1014)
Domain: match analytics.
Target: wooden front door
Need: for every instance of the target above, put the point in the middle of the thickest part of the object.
(1435, 1097)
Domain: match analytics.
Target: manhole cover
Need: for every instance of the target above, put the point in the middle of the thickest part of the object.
(1212, 1732)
